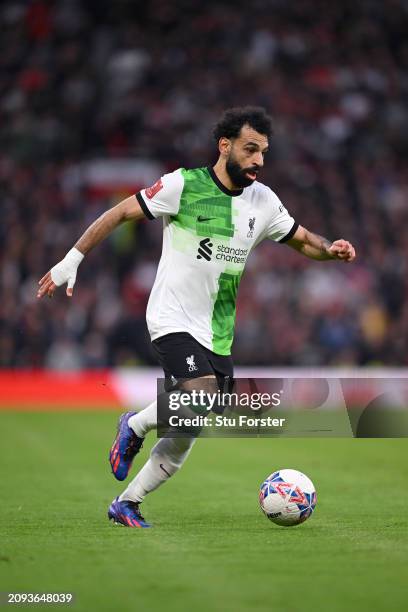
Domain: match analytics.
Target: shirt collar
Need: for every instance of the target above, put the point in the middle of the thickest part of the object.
(230, 192)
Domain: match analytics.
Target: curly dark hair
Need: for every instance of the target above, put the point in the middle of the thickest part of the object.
(232, 120)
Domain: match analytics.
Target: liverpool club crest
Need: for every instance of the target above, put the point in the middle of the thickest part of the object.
(251, 224)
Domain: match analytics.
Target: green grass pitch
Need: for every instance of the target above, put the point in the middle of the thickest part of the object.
(211, 548)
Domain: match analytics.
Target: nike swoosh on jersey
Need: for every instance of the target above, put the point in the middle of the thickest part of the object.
(201, 219)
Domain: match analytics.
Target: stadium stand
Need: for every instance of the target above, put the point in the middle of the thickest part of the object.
(89, 88)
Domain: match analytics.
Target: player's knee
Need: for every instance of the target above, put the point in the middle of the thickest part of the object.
(206, 384)
(204, 394)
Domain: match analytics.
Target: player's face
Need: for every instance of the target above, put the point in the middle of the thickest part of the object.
(246, 156)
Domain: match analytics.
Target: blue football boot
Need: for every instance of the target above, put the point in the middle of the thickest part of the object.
(127, 513)
(124, 448)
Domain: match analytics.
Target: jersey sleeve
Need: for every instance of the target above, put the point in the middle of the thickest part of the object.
(162, 198)
(281, 226)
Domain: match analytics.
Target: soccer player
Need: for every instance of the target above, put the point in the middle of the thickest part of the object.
(212, 219)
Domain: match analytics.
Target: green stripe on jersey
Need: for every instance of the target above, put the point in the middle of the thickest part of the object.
(201, 198)
(223, 317)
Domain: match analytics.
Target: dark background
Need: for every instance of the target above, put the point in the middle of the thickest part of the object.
(100, 79)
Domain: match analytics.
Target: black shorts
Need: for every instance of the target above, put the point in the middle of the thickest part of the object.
(181, 357)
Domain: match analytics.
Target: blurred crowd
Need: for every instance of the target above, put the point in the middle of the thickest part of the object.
(128, 79)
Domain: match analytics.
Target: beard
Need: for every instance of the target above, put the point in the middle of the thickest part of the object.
(238, 175)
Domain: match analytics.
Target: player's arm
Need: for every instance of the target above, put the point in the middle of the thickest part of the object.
(316, 247)
(127, 210)
(66, 270)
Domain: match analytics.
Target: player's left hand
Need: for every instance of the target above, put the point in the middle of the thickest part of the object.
(343, 250)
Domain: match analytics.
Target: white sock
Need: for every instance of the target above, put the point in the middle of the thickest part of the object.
(166, 458)
(144, 421)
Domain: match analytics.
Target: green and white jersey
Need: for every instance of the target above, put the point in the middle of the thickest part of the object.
(208, 234)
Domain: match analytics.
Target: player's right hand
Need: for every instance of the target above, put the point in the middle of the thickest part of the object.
(63, 272)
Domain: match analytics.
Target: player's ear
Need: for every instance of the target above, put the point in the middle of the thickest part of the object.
(224, 146)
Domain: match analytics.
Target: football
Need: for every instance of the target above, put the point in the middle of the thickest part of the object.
(287, 497)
